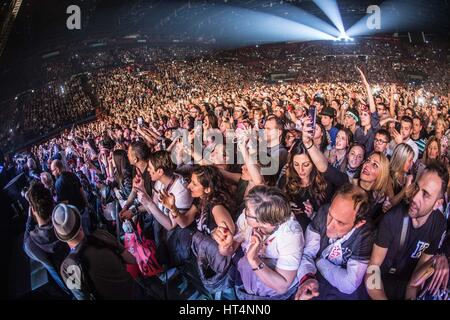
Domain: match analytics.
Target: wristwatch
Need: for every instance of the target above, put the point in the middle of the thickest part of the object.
(259, 267)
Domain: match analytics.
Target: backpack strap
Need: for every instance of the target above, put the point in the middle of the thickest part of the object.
(405, 225)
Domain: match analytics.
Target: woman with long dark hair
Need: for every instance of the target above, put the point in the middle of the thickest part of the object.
(307, 188)
(212, 201)
(210, 210)
(121, 169)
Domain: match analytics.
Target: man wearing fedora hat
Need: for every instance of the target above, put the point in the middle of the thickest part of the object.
(95, 267)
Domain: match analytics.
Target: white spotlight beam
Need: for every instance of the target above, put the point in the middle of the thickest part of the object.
(271, 28)
(258, 27)
(331, 9)
(298, 15)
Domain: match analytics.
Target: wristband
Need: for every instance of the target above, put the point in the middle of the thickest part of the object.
(312, 144)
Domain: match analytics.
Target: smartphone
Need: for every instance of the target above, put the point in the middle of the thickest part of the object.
(140, 122)
(312, 112)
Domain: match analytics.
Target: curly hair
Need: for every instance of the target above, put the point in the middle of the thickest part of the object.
(210, 177)
(318, 183)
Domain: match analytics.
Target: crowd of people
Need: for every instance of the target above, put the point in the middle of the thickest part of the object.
(333, 186)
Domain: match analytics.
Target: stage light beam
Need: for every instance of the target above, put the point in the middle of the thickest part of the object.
(331, 9)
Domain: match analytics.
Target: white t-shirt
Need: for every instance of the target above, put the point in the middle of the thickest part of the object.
(183, 198)
(283, 248)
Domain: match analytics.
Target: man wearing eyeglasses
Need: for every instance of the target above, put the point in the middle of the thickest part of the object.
(272, 243)
(381, 141)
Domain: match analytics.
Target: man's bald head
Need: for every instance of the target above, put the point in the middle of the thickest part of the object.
(56, 167)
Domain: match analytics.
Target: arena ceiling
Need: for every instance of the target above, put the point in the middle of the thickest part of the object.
(41, 25)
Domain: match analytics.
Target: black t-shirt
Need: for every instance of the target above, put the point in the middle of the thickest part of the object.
(426, 239)
(205, 222)
(446, 244)
(148, 184)
(278, 157)
(104, 272)
(68, 188)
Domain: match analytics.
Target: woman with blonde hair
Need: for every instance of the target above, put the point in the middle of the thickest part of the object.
(440, 128)
(400, 170)
(376, 180)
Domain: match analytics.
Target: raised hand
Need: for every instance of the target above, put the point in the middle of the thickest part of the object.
(440, 275)
(222, 235)
(309, 210)
(397, 136)
(307, 134)
(386, 205)
(166, 199)
(255, 246)
(138, 183)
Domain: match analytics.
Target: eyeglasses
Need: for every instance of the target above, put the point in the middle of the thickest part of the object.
(248, 216)
(379, 141)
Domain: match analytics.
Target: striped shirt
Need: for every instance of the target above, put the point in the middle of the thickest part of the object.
(421, 143)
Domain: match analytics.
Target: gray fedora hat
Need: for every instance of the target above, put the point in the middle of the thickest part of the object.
(66, 221)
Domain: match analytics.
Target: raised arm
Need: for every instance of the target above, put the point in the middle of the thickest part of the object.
(317, 157)
(230, 176)
(249, 161)
(392, 101)
(372, 106)
(412, 289)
